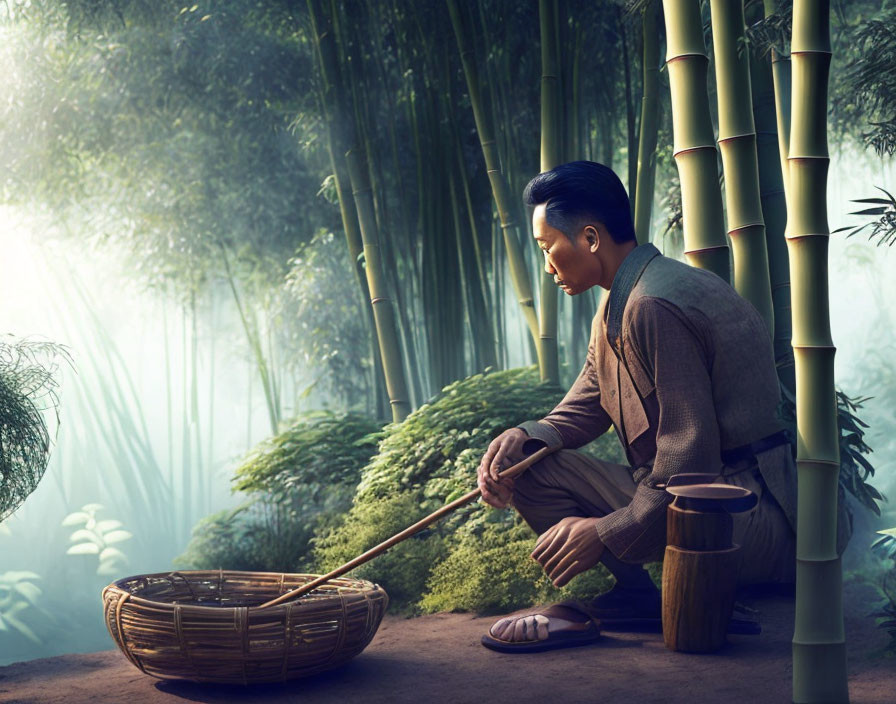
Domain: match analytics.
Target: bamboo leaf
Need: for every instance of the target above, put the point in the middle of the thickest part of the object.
(106, 526)
(880, 201)
(117, 536)
(870, 211)
(30, 591)
(107, 568)
(17, 575)
(83, 534)
(75, 518)
(109, 554)
(22, 628)
(83, 549)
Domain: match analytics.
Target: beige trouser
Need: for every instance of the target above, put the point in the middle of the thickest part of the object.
(570, 483)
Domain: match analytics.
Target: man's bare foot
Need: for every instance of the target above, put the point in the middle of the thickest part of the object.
(537, 626)
(556, 626)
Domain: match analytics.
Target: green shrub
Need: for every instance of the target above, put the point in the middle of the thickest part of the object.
(300, 482)
(476, 558)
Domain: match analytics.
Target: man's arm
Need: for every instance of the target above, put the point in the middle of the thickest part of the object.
(578, 418)
(687, 439)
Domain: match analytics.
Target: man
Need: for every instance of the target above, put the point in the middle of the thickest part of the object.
(683, 368)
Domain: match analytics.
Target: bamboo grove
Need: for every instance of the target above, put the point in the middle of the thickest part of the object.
(427, 119)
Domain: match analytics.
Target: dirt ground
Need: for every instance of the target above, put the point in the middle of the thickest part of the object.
(439, 659)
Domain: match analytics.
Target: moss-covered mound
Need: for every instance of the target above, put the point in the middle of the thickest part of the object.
(477, 558)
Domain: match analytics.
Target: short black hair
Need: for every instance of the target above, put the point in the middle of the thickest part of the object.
(582, 190)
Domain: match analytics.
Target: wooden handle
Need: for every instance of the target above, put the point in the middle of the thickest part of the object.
(510, 472)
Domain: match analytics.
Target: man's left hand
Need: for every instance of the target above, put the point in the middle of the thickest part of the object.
(568, 548)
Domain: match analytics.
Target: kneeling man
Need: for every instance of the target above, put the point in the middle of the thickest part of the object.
(683, 368)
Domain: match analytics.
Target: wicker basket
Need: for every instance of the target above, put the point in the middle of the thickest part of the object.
(204, 625)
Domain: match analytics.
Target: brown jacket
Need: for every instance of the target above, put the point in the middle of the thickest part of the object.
(695, 376)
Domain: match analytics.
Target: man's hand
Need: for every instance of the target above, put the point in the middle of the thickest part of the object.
(568, 548)
(504, 451)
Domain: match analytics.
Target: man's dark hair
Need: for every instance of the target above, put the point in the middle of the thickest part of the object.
(582, 190)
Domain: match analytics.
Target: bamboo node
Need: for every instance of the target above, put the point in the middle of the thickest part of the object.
(740, 228)
(696, 148)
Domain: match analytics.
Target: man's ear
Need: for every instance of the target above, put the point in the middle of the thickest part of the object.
(592, 236)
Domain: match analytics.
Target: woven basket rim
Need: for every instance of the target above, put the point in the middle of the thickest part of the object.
(366, 586)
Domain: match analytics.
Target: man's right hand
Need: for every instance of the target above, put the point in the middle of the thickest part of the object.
(503, 452)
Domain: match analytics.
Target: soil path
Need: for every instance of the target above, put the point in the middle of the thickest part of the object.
(439, 659)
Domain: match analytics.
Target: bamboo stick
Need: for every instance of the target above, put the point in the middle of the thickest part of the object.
(819, 642)
(549, 361)
(781, 71)
(508, 473)
(510, 224)
(737, 144)
(695, 151)
(774, 212)
(649, 122)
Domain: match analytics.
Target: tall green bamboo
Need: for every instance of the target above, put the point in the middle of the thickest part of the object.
(631, 132)
(383, 313)
(333, 105)
(694, 144)
(819, 642)
(774, 212)
(359, 177)
(781, 76)
(510, 224)
(549, 362)
(737, 144)
(649, 122)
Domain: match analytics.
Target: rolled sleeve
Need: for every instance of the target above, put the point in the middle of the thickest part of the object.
(675, 352)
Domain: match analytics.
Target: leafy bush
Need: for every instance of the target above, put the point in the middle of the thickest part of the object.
(27, 388)
(476, 558)
(886, 614)
(855, 469)
(299, 482)
(97, 538)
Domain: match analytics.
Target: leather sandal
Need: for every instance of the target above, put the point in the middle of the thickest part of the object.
(583, 633)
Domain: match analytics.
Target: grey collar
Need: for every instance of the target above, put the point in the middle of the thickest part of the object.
(626, 277)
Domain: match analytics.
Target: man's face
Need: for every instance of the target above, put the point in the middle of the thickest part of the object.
(574, 267)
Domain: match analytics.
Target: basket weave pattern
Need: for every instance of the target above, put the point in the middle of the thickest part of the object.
(205, 625)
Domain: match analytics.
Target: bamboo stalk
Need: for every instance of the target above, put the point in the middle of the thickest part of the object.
(436, 515)
(819, 642)
(549, 361)
(781, 71)
(649, 121)
(631, 138)
(510, 225)
(774, 212)
(333, 105)
(737, 144)
(695, 148)
(383, 313)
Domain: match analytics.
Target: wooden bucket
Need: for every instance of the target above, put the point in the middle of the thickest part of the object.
(206, 626)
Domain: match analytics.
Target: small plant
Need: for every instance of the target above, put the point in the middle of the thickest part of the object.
(27, 388)
(884, 228)
(97, 538)
(18, 594)
(855, 469)
(886, 547)
(298, 483)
